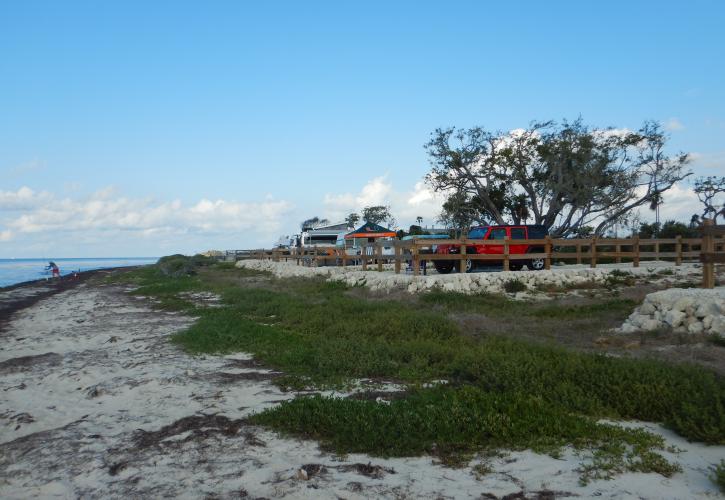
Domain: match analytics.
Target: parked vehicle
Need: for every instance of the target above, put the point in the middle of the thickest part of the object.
(512, 232)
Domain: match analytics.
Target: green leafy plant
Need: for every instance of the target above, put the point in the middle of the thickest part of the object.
(718, 475)
(514, 285)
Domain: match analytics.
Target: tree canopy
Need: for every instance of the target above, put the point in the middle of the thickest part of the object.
(352, 219)
(564, 176)
(711, 193)
(378, 214)
(312, 223)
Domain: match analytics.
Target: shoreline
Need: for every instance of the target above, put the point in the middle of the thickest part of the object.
(20, 296)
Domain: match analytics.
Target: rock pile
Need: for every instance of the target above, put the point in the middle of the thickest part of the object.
(685, 310)
(471, 283)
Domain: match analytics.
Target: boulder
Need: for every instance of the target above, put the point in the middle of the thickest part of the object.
(683, 303)
(695, 328)
(707, 321)
(650, 325)
(718, 326)
(647, 308)
(675, 318)
(709, 308)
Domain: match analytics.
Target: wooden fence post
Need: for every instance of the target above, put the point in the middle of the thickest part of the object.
(708, 247)
(506, 264)
(657, 251)
(578, 253)
(547, 250)
(618, 258)
(635, 250)
(462, 253)
(364, 255)
(397, 258)
(380, 258)
(416, 261)
(593, 262)
(678, 251)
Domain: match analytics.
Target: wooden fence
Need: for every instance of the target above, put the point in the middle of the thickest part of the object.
(712, 251)
(708, 250)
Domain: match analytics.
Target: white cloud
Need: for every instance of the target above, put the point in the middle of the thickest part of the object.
(679, 203)
(22, 199)
(420, 201)
(107, 216)
(673, 124)
(709, 163)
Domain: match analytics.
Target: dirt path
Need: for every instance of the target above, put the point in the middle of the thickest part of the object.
(95, 402)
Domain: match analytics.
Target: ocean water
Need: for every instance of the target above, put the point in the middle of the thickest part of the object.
(19, 270)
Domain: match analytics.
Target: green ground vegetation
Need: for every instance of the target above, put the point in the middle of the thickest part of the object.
(500, 392)
(718, 475)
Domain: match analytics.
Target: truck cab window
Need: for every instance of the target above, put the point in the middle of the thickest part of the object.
(518, 233)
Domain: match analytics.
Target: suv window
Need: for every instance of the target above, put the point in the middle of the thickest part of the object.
(498, 234)
(518, 233)
(477, 233)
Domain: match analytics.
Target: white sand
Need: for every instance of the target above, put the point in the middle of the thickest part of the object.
(68, 419)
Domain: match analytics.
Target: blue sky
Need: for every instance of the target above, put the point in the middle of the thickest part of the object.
(144, 128)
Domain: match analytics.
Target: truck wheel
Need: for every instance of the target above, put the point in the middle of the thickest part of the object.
(443, 266)
(469, 265)
(536, 264)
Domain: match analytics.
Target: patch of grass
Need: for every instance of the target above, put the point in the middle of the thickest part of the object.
(514, 285)
(501, 392)
(617, 277)
(315, 330)
(623, 306)
(716, 339)
(718, 475)
(584, 285)
(618, 273)
(452, 423)
(485, 303)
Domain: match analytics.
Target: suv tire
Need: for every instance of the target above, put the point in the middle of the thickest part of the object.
(536, 264)
(469, 265)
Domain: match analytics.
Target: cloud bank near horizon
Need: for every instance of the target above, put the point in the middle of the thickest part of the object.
(33, 223)
(106, 223)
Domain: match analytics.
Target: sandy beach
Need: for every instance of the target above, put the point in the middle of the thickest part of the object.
(97, 403)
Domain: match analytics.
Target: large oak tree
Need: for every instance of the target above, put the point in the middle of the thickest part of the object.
(564, 176)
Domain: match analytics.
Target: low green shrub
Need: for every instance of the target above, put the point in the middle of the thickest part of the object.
(177, 265)
(718, 475)
(514, 285)
(449, 422)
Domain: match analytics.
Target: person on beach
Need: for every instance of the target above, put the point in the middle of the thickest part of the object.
(53, 268)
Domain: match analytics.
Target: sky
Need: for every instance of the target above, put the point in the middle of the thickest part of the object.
(148, 128)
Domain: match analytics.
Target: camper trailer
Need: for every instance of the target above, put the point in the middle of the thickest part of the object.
(322, 236)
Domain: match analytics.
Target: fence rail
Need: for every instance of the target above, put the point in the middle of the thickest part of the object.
(708, 250)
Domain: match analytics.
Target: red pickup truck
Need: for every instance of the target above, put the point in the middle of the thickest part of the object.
(513, 233)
